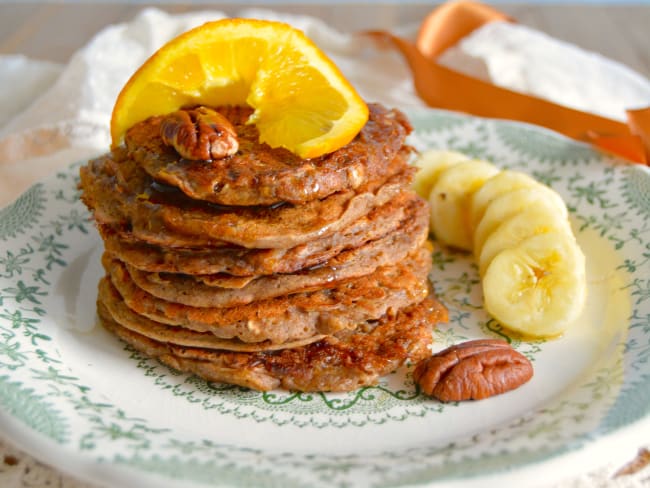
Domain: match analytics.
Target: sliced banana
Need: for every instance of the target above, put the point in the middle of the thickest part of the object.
(532, 269)
(541, 219)
(450, 200)
(431, 163)
(511, 203)
(537, 287)
(505, 181)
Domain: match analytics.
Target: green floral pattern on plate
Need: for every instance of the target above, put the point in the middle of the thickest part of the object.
(65, 385)
(21, 215)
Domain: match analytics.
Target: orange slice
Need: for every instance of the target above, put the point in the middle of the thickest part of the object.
(302, 101)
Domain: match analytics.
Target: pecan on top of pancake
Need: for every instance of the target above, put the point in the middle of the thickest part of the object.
(199, 134)
(257, 174)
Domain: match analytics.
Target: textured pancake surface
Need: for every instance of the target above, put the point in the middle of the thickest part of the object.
(263, 269)
(260, 175)
(121, 194)
(222, 290)
(240, 261)
(326, 310)
(334, 363)
(111, 304)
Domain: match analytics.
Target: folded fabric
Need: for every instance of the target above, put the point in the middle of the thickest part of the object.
(441, 87)
(75, 110)
(528, 61)
(24, 77)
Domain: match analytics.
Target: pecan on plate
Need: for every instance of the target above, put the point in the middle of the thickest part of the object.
(473, 370)
(199, 134)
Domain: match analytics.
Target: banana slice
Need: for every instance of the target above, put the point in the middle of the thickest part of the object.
(509, 204)
(505, 181)
(431, 163)
(450, 201)
(538, 287)
(541, 219)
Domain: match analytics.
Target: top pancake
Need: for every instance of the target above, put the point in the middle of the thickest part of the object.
(121, 194)
(260, 175)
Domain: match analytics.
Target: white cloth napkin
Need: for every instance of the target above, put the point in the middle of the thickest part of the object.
(54, 115)
(522, 59)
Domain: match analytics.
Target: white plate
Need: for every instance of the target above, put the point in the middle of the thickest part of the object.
(75, 397)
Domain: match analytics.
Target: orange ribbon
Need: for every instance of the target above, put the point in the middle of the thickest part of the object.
(444, 88)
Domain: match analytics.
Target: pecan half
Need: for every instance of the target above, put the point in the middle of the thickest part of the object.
(199, 134)
(473, 370)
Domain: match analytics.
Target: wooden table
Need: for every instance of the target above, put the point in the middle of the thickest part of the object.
(54, 31)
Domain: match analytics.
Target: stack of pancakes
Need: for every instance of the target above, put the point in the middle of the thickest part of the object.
(263, 269)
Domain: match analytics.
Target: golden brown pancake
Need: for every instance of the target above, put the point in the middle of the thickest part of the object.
(276, 333)
(220, 290)
(262, 269)
(327, 311)
(121, 194)
(114, 306)
(341, 363)
(240, 261)
(259, 175)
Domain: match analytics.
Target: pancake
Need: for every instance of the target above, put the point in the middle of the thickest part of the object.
(260, 175)
(257, 334)
(121, 194)
(240, 261)
(263, 269)
(226, 291)
(341, 363)
(328, 311)
(110, 304)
